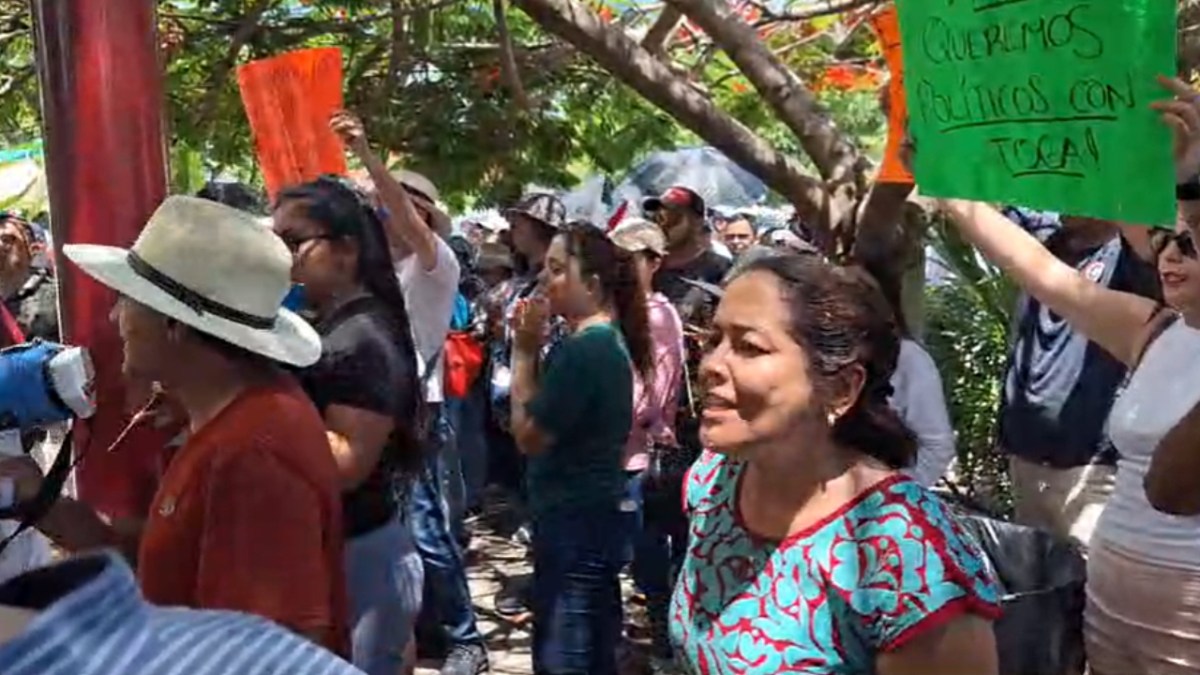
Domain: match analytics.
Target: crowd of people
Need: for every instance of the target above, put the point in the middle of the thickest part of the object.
(750, 428)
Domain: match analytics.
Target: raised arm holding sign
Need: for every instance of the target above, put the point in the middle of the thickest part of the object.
(1042, 103)
(1123, 324)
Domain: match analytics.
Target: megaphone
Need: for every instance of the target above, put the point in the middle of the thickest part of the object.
(43, 383)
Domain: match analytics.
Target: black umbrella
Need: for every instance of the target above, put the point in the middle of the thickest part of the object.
(705, 170)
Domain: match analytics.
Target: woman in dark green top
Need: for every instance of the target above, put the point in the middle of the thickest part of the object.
(572, 417)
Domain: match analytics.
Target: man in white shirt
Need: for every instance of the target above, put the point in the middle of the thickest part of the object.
(428, 272)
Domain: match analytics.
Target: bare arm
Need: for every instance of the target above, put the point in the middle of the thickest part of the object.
(965, 646)
(71, 524)
(1119, 322)
(357, 438)
(1171, 484)
(76, 526)
(407, 231)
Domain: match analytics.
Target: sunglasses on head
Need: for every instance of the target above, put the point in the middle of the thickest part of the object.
(1183, 240)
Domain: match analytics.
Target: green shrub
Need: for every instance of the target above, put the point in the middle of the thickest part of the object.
(967, 332)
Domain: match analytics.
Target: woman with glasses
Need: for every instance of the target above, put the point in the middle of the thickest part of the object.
(1143, 608)
(571, 417)
(366, 387)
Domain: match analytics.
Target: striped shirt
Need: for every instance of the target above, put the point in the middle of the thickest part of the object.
(92, 620)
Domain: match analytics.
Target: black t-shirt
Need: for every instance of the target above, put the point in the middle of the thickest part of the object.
(362, 366)
(690, 301)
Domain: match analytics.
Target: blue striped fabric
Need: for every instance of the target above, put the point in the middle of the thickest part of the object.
(92, 620)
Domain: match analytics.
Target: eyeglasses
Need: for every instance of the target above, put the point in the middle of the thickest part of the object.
(1183, 240)
(294, 244)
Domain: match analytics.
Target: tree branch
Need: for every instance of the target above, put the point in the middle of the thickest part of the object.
(508, 60)
(396, 55)
(656, 39)
(319, 26)
(834, 155)
(247, 26)
(13, 82)
(630, 63)
(823, 8)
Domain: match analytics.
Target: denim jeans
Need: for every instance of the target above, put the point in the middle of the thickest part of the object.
(468, 416)
(656, 545)
(506, 464)
(447, 596)
(577, 556)
(384, 584)
(649, 544)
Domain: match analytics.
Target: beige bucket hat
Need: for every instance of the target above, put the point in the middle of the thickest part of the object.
(638, 234)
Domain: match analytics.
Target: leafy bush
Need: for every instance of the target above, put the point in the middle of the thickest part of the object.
(967, 332)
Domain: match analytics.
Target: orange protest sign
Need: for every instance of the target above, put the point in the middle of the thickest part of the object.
(888, 29)
(289, 100)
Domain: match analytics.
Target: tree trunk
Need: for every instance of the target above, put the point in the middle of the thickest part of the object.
(508, 59)
(620, 55)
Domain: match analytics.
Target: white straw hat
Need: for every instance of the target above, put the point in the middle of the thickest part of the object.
(213, 268)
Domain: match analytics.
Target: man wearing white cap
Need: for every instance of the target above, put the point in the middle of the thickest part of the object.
(248, 513)
(429, 272)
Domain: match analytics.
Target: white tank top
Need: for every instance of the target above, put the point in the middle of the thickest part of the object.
(1165, 386)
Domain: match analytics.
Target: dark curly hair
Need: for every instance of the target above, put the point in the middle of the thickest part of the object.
(237, 195)
(840, 319)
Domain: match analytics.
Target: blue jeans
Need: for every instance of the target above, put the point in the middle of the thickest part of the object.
(576, 592)
(384, 580)
(649, 547)
(469, 418)
(447, 596)
(656, 548)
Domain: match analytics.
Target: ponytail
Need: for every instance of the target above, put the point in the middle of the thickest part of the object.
(346, 213)
(630, 302)
(873, 426)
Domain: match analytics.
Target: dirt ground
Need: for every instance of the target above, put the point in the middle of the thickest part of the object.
(495, 561)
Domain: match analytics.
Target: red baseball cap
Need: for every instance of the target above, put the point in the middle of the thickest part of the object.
(676, 197)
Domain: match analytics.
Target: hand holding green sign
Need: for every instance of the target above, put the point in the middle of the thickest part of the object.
(1042, 103)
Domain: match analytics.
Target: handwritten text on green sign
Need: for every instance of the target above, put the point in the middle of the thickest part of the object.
(1041, 102)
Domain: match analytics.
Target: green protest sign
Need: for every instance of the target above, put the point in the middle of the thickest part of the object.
(1042, 103)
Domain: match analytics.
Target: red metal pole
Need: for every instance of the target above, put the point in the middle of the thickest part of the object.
(102, 104)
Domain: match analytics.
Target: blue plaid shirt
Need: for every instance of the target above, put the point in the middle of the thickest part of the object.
(91, 620)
